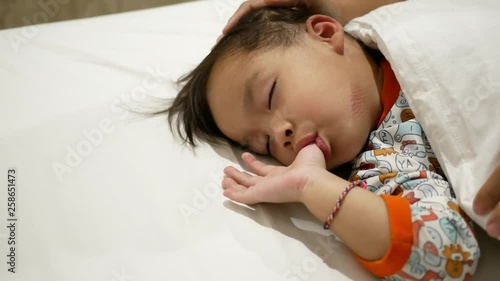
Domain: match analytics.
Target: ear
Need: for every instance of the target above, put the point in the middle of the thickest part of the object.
(328, 30)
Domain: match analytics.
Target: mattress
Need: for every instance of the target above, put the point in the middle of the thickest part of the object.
(93, 192)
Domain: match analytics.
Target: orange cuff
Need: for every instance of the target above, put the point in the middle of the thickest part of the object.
(401, 239)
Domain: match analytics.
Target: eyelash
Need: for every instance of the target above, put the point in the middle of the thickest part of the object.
(269, 106)
(271, 95)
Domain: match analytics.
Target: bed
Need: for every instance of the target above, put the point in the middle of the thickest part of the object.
(103, 194)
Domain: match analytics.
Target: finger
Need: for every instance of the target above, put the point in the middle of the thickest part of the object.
(230, 184)
(255, 165)
(217, 41)
(238, 193)
(489, 194)
(244, 8)
(241, 177)
(493, 224)
(239, 196)
(310, 155)
(251, 5)
(265, 191)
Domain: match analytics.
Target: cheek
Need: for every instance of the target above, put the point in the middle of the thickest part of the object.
(357, 103)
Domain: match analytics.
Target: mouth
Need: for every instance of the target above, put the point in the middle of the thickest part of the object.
(324, 148)
(316, 140)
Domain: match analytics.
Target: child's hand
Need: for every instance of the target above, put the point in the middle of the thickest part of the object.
(273, 184)
(488, 200)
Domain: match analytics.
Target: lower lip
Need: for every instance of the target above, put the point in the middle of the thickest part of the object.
(324, 148)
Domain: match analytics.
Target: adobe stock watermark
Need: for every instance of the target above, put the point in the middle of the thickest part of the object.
(75, 155)
(383, 17)
(226, 8)
(487, 87)
(323, 251)
(202, 197)
(121, 275)
(91, 138)
(49, 9)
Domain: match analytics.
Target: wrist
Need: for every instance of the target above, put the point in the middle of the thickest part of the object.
(315, 183)
(360, 212)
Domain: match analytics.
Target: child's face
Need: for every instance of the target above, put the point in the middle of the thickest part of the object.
(319, 89)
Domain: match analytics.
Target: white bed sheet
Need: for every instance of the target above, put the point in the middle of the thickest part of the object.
(102, 195)
(132, 205)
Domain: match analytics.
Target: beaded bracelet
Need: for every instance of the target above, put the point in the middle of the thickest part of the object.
(329, 220)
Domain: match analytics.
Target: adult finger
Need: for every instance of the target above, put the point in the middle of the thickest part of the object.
(493, 224)
(250, 5)
(242, 178)
(488, 196)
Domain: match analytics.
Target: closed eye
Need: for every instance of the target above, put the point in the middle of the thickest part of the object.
(271, 94)
(268, 149)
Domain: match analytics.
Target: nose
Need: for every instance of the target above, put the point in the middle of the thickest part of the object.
(283, 133)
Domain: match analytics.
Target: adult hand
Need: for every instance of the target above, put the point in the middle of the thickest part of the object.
(273, 184)
(342, 10)
(250, 5)
(488, 200)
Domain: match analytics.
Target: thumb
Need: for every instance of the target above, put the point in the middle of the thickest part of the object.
(310, 155)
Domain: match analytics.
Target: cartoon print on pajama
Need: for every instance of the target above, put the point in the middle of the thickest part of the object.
(410, 128)
(400, 162)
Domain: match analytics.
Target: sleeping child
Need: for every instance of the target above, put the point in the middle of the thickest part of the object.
(293, 85)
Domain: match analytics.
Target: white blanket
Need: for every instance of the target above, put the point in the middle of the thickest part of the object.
(446, 57)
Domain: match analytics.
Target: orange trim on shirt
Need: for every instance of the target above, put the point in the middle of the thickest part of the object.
(390, 90)
(401, 239)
